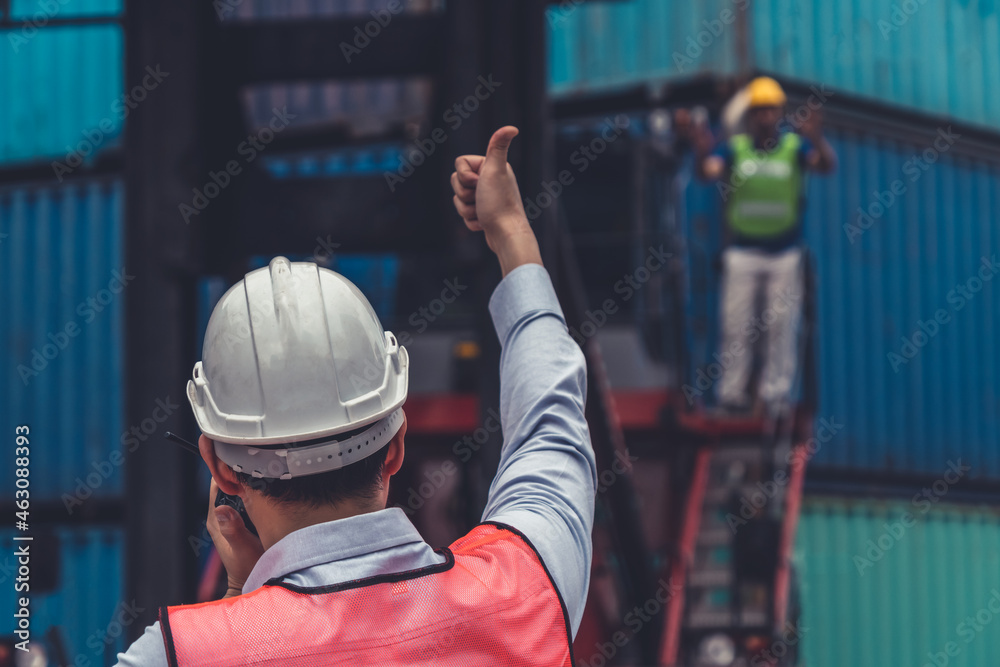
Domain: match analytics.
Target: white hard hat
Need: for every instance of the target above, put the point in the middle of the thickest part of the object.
(294, 355)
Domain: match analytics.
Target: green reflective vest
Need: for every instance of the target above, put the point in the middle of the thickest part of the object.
(766, 187)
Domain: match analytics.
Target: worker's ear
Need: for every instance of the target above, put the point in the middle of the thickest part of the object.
(394, 456)
(223, 475)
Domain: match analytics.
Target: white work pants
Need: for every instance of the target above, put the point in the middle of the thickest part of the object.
(744, 272)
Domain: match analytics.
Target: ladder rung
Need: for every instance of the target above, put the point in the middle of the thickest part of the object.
(708, 619)
(715, 537)
(710, 577)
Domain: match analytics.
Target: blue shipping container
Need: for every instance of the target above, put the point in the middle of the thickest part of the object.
(39, 12)
(601, 46)
(86, 608)
(61, 88)
(907, 307)
(938, 57)
(61, 336)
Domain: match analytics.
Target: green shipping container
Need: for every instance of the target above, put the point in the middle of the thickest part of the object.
(898, 583)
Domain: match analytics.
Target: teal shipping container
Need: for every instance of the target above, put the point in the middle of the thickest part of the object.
(939, 56)
(62, 88)
(61, 336)
(898, 583)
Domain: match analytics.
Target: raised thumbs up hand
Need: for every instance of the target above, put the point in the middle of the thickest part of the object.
(488, 199)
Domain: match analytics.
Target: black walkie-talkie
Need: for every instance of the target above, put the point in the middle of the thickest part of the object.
(221, 498)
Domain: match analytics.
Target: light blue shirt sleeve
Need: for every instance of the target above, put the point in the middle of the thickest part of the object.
(146, 651)
(547, 477)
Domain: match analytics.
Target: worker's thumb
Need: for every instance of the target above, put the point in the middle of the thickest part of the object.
(496, 153)
(232, 527)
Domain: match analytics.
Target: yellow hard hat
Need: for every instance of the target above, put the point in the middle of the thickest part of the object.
(765, 92)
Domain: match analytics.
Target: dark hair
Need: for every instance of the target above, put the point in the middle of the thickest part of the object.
(358, 481)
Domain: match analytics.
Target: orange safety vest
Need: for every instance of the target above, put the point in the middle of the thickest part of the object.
(492, 602)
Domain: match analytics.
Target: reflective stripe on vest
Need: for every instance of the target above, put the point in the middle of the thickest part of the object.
(491, 603)
(766, 187)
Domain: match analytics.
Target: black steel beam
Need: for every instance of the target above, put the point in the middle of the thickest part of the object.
(163, 162)
(359, 214)
(42, 21)
(842, 110)
(609, 444)
(93, 511)
(110, 163)
(858, 483)
(336, 48)
(332, 137)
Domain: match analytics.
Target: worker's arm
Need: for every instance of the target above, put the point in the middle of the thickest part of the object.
(821, 157)
(707, 165)
(546, 479)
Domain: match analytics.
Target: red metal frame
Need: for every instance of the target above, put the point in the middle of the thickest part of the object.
(716, 427)
(678, 569)
(789, 524)
(451, 413)
(441, 414)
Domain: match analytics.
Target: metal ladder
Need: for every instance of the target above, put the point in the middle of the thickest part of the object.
(731, 544)
(722, 584)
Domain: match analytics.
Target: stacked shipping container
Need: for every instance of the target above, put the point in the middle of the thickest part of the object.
(61, 338)
(887, 583)
(911, 418)
(937, 57)
(906, 302)
(61, 332)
